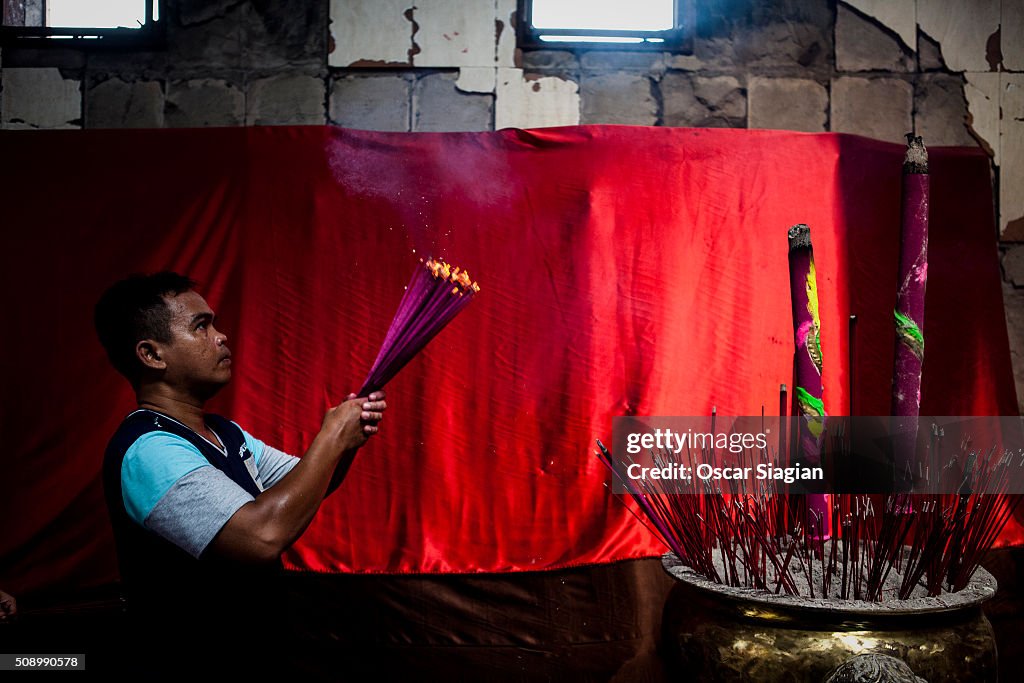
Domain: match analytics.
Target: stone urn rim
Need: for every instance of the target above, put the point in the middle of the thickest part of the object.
(981, 588)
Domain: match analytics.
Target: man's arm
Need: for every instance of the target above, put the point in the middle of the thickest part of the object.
(262, 529)
(341, 469)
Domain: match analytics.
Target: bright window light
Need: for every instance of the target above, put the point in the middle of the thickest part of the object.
(623, 25)
(82, 23)
(635, 15)
(552, 38)
(106, 14)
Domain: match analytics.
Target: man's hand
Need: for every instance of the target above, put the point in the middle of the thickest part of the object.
(348, 426)
(8, 607)
(373, 412)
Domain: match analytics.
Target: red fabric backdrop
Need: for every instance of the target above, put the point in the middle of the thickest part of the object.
(624, 271)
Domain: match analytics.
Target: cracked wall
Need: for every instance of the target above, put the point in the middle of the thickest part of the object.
(950, 70)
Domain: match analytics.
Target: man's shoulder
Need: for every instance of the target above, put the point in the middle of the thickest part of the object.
(134, 425)
(161, 451)
(139, 433)
(153, 463)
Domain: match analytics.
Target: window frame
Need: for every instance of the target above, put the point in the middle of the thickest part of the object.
(151, 34)
(678, 39)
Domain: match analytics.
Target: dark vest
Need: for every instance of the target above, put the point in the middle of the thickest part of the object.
(170, 595)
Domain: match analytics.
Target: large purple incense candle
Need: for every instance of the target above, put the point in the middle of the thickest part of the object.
(909, 311)
(807, 393)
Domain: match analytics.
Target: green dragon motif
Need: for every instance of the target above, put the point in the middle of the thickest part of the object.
(910, 334)
(809, 405)
(813, 409)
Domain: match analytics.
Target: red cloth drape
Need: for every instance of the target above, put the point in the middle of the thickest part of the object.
(624, 271)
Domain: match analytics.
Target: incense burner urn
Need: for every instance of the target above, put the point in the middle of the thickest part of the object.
(720, 633)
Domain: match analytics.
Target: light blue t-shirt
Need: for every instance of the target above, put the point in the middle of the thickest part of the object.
(169, 487)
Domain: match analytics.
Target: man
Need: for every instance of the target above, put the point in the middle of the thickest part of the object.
(201, 509)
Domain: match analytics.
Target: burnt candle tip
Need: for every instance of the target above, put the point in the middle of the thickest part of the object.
(799, 237)
(916, 158)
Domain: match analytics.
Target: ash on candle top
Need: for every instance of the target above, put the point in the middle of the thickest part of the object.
(916, 158)
(799, 236)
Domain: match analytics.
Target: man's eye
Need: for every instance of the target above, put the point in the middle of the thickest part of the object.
(201, 326)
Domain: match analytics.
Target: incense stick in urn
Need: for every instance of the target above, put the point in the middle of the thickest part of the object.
(807, 340)
(436, 293)
(909, 311)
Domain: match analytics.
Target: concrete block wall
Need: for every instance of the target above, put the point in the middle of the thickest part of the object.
(950, 70)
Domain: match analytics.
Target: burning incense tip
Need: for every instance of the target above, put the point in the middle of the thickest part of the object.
(442, 270)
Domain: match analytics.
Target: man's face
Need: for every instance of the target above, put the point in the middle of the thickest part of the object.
(198, 359)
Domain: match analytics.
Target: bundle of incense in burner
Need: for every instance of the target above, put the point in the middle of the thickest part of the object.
(909, 311)
(435, 295)
(891, 547)
(807, 340)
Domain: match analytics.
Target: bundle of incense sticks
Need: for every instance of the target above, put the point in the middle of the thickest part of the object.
(895, 546)
(435, 295)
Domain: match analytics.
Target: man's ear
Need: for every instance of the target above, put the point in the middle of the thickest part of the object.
(148, 353)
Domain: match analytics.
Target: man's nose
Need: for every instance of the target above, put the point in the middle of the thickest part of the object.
(221, 338)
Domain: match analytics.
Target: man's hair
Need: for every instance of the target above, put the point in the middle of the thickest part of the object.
(132, 310)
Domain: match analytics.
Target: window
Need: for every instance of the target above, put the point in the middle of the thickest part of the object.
(627, 25)
(76, 23)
